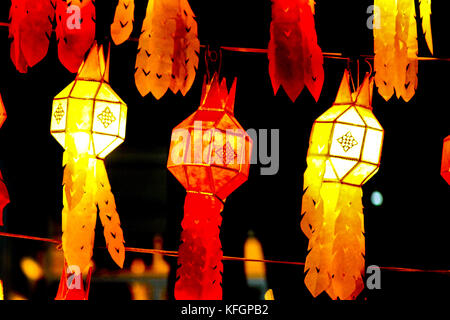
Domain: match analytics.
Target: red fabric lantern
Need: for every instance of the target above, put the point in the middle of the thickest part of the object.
(295, 58)
(210, 156)
(445, 167)
(4, 196)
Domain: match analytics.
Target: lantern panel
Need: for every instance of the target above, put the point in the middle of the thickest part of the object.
(330, 173)
(199, 179)
(342, 166)
(79, 115)
(445, 166)
(320, 136)
(369, 118)
(178, 146)
(351, 116)
(360, 174)
(332, 113)
(237, 179)
(85, 89)
(106, 93)
(372, 146)
(59, 121)
(347, 141)
(65, 93)
(106, 118)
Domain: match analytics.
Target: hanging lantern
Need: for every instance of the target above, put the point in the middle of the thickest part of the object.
(89, 121)
(122, 25)
(344, 153)
(75, 31)
(210, 156)
(295, 58)
(4, 196)
(168, 49)
(396, 47)
(30, 28)
(445, 168)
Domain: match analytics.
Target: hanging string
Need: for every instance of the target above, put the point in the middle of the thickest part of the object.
(225, 258)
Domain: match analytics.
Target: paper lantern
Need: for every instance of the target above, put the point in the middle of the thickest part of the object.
(122, 25)
(75, 31)
(31, 29)
(445, 167)
(396, 47)
(344, 153)
(168, 49)
(89, 121)
(210, 156)
(4, 196)
(295, 58)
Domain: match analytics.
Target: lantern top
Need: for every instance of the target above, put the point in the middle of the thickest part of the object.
(216, 97)
(94, 67)
(2, 112)
(362, 97)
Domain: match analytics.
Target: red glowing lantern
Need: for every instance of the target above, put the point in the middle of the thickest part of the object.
(4, 196)
(445, 167)
(210, 156)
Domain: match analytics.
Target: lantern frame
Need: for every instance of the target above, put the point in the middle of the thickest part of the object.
(89, 108)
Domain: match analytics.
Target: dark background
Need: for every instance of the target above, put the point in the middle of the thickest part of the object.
(410, 229)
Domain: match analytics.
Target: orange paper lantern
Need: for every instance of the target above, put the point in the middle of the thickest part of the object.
(295, 58)
(445, 167)
(210, 156)
(4, 196)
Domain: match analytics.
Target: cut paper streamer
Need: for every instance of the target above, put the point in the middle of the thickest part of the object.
(4, 196)
(396, 47)
(89, 121)
(75, 31)
(445, 166)
(30, 29)
(344, 153)
(168, 49)
(210, 156)
(122, 25)
(295, 58)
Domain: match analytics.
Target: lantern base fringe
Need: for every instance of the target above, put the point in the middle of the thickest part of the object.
(334, 224)
(71, 288)
(200, 255)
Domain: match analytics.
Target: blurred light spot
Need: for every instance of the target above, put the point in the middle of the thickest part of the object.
(137, 266)
(376, 198)
(31, 269)
(1, 291)
(269, 295)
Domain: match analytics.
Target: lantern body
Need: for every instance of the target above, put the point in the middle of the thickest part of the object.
(91, 110)
(349, 138)
(445, 167)
(210, 151)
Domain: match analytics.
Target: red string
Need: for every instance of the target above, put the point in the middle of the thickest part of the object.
(227, 258)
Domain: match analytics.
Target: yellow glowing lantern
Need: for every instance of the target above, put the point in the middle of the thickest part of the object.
(90, 109)
(348, 136)
(344, 153)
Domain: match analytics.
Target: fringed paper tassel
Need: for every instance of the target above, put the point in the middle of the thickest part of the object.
(334, 225)
(295, 58)
(71, 285)
(122, 26)
(396, 49)
(168, 49)
(4, 198)
(86, 186)
(200, 254)
(74, 37)
(425, 15)
(31, 28)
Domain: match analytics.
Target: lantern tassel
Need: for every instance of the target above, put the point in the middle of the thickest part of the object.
(122, 26)
(4, 198)
(86, 186)
(295, 58)
(200, 254)
(168, 49)
(425, 15)
(31, 28)
(71, 288)
(75, 34)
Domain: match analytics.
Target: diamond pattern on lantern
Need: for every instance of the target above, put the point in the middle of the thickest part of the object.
(106, 117)
(59, 114)
(347, 141)
(226, 153)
